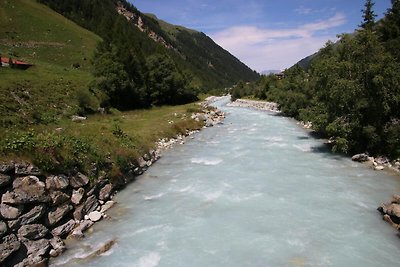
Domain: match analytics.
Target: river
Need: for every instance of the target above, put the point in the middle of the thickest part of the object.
(255, 191)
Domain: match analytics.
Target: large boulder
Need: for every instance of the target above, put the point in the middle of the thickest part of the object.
(360, 157)
(10, 212)
(27, 189)
(105, 192)
(33, 231)
(58, 198)
(8, 245)
(37, 248)
(64, 229)
(77, 196)
(78, 180)
(4, 180)
(3, 229)
(23, 169)
(57, 182)
(32, 216)
(56, 215)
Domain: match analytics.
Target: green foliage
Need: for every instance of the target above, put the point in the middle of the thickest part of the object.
(351, 90)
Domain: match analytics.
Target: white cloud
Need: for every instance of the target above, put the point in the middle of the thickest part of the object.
(262, 48)
(303, 10)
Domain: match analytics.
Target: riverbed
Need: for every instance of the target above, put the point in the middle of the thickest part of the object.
(258, 190)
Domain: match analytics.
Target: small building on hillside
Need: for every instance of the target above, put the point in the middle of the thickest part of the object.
(5, 62)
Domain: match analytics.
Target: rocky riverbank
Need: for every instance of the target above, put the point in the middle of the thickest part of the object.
(391, 211)
(39, 211)
(260, 105)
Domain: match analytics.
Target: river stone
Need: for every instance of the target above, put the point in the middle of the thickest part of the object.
(10, 212)
(142, 163)
(95, 216)
(360, 157)
(33, 231)
(78, 180)
(27, 189)
(33, 215)
(64, 229)
(56, 215)
(3, 228)
(8, 245)
(58, 246)
(4, 180)
(37, 248)
(77, 196)
(90, 205)
(83, 226)
(25, 168)
(379, 168)
(57, 182)
(58, 198)
(7, 168)
(107, 206)
(105, 192)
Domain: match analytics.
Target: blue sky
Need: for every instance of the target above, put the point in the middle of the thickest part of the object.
(265, 34)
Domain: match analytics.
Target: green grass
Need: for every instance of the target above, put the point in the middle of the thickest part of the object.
(49, 90)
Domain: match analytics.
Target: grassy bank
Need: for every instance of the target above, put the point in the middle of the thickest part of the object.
(110, 143)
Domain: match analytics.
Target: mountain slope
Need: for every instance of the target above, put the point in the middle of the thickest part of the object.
(209, 65)
(50, 89)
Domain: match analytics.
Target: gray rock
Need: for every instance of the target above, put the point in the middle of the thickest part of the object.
(4, 180)
(142, 163)
(57, 182)
(78, 180)
(382, 160)
(7, 168)
(32, 216)
(8, 245)
(25, 168)
(77, 196)
(107, 206)
(10, 212)
(396, 199)
(56, 215)
(58, 246)
(81, 228)
(12, 225)
(33, 231)
(95, 216)
(33, 262)
(38, 248)
(76, 118)
(64, 229)
(3, 228)
(360, 157)
(90, 205)
(105, 192)
(27, 189)
(58, 198)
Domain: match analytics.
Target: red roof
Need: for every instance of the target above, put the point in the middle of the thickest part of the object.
(16, 62)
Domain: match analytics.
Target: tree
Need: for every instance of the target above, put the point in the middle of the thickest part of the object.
(368, 15)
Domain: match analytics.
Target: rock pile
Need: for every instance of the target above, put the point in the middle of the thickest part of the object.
(37, 211)
(378, 163)
(391, 211)
(260, 105)
(210, 117)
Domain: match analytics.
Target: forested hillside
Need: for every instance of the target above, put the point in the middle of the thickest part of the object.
(351, 90)
(188, 61)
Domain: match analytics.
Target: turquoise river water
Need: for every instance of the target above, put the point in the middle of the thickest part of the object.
(255, 191)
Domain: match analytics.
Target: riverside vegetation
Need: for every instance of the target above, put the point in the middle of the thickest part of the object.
(349, 91)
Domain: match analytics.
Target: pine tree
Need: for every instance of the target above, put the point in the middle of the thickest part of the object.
(368, 15)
